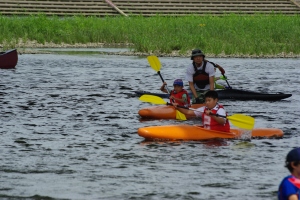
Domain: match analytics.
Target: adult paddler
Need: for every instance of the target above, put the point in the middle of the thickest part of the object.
(201, 76)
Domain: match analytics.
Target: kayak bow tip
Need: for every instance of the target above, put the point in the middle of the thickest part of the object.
(143, 132)
(146, 113)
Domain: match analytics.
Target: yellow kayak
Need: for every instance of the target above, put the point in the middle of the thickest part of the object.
(190, 132)
(162, 112)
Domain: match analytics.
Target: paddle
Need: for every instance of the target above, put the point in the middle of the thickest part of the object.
(238, 120)
(227, 81)
(223, 74)
(155, 64)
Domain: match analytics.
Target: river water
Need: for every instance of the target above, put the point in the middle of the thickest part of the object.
(69, 131)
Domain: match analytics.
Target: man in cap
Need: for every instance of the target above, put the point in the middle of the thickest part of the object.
(201, 76)
(289, 188)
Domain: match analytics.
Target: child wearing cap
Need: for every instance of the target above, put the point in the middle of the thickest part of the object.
(178, 94)
(289, 188)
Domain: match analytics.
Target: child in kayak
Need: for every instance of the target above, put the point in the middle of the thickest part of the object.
(289, 188)
(210, 112)
(178, 94)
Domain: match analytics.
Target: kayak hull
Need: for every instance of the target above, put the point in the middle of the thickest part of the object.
(250, 95)
(190, 132)
(162, 112)
(8, 59)
(233, 94)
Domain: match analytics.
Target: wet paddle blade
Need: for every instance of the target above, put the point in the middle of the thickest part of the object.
(152, 99)
(154, 63)
(242, 121)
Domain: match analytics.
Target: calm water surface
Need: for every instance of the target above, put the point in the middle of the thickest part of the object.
(68, 127)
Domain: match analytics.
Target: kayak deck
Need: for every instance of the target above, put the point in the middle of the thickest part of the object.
(234, 94)
(8, 59)
(193, 132)
(162, 112)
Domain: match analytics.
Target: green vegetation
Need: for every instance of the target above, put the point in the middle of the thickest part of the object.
(232, 34)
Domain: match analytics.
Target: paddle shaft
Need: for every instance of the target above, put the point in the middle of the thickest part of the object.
(244, 122)
(239, 120)
(226, 80)
(162, 79)
(196, 110)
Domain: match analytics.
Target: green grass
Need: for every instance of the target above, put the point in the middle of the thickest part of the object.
(231, 34)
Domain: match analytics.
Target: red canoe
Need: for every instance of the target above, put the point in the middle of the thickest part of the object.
(8, 59)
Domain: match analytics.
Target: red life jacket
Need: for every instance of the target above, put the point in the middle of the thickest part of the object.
(179, 96)
(295, 181)
(210, 122)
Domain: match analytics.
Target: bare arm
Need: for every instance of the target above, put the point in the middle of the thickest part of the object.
(163, 89)
(192, 87)
(186, 111)
(220, 120)
(212, 82)
(293, 197)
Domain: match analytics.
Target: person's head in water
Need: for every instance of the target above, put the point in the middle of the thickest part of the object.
(211, 99)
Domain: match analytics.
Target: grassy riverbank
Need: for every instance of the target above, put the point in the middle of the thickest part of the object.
(227, 35)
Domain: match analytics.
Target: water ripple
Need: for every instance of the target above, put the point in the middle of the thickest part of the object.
(69, 131)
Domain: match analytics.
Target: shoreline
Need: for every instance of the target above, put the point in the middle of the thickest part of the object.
(30, 47)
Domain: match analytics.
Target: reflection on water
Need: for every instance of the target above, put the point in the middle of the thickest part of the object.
(69, 131)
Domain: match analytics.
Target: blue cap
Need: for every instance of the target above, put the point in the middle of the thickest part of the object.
(293, 155)
(178, 82)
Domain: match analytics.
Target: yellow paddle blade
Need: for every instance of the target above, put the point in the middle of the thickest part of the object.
(242, 121)
(180, 115)
(152, 99)
(154, 63)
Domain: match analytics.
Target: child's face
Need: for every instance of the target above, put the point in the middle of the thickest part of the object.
(210, 102)
(177, 88)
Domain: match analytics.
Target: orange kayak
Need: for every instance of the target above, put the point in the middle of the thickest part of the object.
(162, 112)
(190, 132)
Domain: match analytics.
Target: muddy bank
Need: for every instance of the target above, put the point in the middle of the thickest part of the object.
(32, 47)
